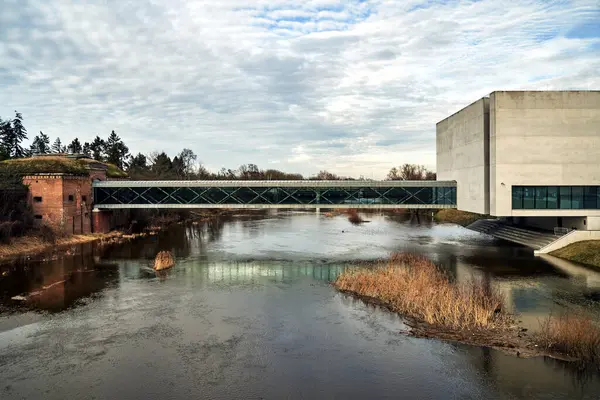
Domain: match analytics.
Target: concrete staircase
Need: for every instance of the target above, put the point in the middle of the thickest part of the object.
(530, 238)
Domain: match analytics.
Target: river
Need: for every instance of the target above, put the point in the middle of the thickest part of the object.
(248, 313)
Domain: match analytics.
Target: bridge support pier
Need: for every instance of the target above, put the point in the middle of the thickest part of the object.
(101, 220)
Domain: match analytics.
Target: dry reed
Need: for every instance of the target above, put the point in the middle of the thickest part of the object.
(164, 260)
(415, 287)
(573, 336)
(353, 216)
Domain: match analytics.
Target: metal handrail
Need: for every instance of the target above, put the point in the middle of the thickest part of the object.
(561, 231)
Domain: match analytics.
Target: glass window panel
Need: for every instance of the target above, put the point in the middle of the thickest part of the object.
(589, 197)
(553, 197)
(540, 197)
(565, 197)
(528, 198)
(517, 197)
(577, 197)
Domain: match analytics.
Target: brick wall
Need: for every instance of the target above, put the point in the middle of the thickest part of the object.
(61, 201)
(45, 197)
(77, 200)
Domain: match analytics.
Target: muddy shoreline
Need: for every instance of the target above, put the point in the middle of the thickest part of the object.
(33, 246)
(515, 342)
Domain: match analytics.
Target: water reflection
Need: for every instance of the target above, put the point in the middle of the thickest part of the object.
(248, 306)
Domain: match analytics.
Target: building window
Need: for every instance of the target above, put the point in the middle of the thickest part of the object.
(71, 197)
(541, 197)
(556, 197)
(38, 217)
(84, 198)
(37, 199)
(517, 198)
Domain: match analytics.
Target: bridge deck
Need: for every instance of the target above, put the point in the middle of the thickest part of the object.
(274, 194)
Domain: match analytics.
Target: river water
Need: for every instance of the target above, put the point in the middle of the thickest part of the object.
(248, 313)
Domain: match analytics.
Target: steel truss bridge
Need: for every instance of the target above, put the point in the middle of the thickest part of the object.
(274, 194)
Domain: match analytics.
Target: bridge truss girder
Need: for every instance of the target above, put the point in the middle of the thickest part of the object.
(240, 196)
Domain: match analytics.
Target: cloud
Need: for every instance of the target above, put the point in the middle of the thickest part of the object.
(353, 87)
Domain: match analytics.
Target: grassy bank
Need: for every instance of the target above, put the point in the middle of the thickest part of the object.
(586, 252)
(454, 216)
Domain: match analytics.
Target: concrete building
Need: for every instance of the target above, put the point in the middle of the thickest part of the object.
(530, 156)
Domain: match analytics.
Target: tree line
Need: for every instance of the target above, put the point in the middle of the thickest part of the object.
(158, 165)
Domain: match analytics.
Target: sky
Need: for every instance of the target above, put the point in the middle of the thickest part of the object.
(354, 87)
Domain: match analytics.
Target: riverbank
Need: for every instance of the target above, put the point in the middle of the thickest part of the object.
(32, 245)
(586, 252)
(454, 216)
(36, 244)
(472, 313)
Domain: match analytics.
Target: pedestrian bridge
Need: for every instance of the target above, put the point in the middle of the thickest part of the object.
(274, 194)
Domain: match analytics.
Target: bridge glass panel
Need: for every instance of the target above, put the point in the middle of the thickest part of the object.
(556, 197)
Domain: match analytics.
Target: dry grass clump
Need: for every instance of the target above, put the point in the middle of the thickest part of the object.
(354, 217)
(164, 260)
(412, 285)
(573, 336)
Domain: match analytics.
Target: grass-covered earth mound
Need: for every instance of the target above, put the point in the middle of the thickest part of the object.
(55, 165)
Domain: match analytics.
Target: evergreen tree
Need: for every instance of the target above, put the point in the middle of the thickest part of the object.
(116, 151)
(57, 147)
(12, 133)
(5, 129)
(139, 162)
(75, 147)
(41, 144)
(97, 149)
(87, 149)
(162, 166)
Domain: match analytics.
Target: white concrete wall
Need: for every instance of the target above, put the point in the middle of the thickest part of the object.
(593, 223)
(543, 138)
(571, 237)
(461, 146)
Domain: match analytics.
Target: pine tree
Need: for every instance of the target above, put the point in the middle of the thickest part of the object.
(162, 166)
(12, 133)
(41, 144)
(57, 147)
(87, 149)
(116, 151)
(75, 147)
(5, 129)
(97, 149)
